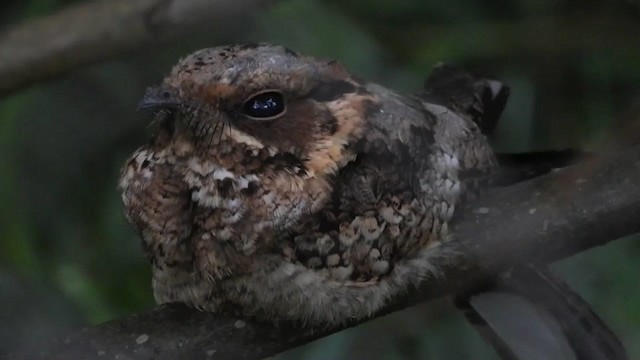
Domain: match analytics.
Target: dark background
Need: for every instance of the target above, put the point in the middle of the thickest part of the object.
(67, 257)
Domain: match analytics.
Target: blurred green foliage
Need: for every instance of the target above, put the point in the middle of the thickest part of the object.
(67, 256)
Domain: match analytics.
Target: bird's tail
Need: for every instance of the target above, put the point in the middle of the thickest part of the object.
(480, 99)
(527, 313)
(530, 313)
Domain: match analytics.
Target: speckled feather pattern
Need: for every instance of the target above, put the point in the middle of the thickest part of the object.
(321, 215)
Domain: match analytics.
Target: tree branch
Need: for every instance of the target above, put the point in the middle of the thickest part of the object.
(540, 220)
(93, 31)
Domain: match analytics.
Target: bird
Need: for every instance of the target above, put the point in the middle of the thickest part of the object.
(281, 187)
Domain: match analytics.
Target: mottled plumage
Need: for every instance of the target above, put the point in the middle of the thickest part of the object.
(320, 214)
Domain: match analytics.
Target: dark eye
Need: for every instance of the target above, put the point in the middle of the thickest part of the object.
(265, 105)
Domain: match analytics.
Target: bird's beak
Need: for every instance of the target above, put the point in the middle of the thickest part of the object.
(158, 98)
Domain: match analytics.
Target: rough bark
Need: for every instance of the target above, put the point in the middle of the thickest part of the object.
(537, 221)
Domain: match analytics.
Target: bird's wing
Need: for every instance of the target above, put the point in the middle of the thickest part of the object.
(428, 143)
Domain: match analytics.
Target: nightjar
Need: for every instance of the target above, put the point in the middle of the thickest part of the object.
(282, 187)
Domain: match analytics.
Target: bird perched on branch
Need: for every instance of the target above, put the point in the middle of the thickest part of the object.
(279, 186)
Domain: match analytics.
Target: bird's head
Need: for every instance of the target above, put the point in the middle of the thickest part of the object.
(257, 131)
(262, 97)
